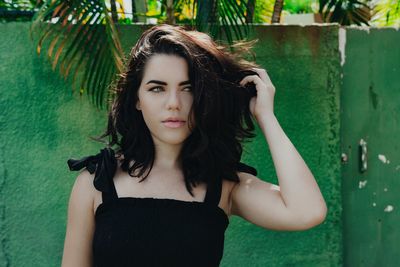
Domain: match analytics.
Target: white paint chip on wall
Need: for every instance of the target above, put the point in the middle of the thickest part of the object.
(383, 159)
(342, 45)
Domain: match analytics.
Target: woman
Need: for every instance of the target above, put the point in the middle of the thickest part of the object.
(164, 197)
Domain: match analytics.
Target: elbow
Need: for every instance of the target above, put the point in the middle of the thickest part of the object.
(310, 220)
(320, 218)
(317, 217)
(323, 212)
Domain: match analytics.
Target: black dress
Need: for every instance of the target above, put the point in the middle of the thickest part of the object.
(133, 231)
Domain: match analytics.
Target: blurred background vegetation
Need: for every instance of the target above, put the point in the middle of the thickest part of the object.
(364, 12)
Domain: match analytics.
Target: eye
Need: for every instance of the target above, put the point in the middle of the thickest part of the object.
(154, 89)
(189, 88)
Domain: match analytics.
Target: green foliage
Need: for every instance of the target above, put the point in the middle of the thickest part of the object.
(21, 10)
(83, 43)
(263, 11)
(387, 13)
(346, 12)
(367, 12)
(299, 6)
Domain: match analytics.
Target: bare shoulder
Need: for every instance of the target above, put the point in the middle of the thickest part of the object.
(80, 223)
(83, 190)
(89, 195)
(85, 180)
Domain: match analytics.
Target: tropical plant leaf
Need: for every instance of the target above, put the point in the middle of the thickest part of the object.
(83, 42)
(345, 12)
(82, 39)
(219, 18)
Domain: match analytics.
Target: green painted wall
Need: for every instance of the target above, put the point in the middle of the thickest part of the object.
(43, 124)
(371, 107)
(304, 65)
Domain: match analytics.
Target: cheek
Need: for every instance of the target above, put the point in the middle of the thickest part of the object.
(188, 101)
(148, 108)
(150, 112)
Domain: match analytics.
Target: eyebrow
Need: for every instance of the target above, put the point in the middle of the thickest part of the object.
(164, 83)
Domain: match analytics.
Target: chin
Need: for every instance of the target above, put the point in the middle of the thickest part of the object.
(175, 141)
(172, 140)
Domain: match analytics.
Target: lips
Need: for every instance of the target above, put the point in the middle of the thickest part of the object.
(173, 119)
(173, 124)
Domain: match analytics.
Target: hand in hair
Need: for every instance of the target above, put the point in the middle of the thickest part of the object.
(263, 103)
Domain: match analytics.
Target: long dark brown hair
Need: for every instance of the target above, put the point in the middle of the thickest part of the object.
(220, 106)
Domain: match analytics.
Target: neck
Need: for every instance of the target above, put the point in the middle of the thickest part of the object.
(167, 156)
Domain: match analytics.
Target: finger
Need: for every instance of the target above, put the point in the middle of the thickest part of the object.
(251, 78)
(263, 74)
(265, 77)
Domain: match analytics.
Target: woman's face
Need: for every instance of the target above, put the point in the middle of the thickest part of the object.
(166, 92)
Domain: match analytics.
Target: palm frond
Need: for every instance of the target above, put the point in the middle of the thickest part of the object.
(82, 39)
(220, 18)
(83, 42)
(345, 12)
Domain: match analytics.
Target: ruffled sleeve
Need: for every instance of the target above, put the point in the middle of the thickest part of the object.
(246, 168)
(104, 164)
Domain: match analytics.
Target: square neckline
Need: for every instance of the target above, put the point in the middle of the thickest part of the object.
(207, 201)
(203, 204)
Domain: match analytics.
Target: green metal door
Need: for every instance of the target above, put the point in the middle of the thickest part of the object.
(370, 133)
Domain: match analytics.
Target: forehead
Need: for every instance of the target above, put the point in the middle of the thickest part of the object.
(166, 67)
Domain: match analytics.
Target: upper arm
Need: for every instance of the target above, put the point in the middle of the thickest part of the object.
(80, 223)
(261, 203)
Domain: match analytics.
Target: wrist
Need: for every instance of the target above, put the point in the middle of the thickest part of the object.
(267, 116)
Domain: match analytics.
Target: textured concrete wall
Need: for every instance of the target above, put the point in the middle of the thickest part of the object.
(43, 124)
(370, 108)
(304, 65)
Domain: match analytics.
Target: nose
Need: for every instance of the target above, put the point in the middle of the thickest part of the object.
(173, 101)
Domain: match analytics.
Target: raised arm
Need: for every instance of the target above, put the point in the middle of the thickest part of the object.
(297, 203)
(80, 225)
